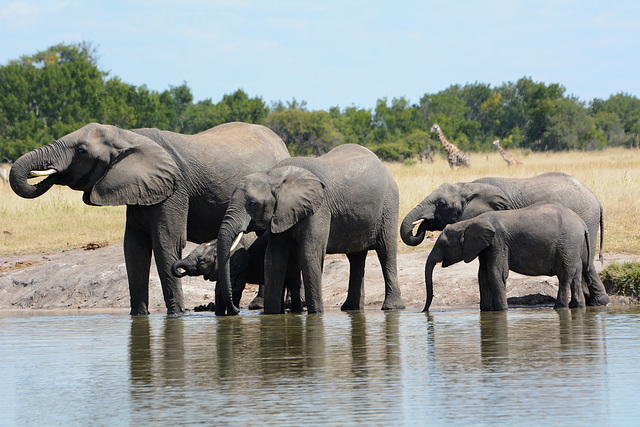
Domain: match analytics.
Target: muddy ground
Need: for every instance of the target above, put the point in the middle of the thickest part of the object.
(95, 278)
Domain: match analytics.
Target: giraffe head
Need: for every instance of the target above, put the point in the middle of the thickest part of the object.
(496, 142)
(435, 128)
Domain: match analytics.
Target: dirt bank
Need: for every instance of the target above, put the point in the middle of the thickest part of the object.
(96, 278)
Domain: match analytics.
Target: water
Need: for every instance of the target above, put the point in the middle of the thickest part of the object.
(525, 367)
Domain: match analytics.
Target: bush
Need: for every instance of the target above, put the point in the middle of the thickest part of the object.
(623, 279)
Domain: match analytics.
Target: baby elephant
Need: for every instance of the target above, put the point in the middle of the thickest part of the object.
(247, 266)
(543, 239)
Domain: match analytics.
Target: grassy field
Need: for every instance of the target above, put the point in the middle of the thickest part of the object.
(59, 220)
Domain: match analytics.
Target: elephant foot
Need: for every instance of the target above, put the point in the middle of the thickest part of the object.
(175, 308)
(257, 303)
(393, 303)
(139, 310)
(350, 306)
(595, 300)
(576, 305)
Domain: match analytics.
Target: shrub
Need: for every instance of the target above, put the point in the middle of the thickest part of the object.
(622, 278)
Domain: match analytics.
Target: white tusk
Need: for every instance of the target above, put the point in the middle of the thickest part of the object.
(414, 223)
(235, 242)
(48, 172)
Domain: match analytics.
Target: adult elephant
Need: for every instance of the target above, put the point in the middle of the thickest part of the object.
(345, 201)
(176, 187)
(451, 203)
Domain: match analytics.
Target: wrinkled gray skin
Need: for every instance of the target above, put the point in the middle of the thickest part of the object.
(176, 187)
(450, 203)
(345, 201)
(247, 266)
(543, 239)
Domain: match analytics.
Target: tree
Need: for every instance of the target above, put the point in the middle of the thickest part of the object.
(47, 95)
(305, 133)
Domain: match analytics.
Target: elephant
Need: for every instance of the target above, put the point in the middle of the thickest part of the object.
(176, 187)
(345, 201)
(545, 238)
(450, 203)
(247, 266)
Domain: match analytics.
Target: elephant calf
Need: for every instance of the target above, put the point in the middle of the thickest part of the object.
(543, 239)
(247, 266)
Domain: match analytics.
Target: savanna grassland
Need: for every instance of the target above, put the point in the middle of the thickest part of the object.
(59, 220)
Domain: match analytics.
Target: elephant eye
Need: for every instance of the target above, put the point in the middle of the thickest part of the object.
(81, 150)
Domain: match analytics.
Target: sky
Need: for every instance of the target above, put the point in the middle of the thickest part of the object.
(340, 53)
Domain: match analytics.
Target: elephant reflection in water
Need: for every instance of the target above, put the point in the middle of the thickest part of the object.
(150, 371)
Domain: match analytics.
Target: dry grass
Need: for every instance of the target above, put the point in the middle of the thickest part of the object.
(59, 219)
(55, 221)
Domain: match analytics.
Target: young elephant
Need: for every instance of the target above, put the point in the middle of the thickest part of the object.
(543, 239)
(247, 266)
(345, 201)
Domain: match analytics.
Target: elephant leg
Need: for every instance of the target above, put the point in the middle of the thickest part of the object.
(171, 285)
(311, 255)
(258, 301)
(492, 280)
(597, 293)
(355, 294)
(293, 283)
(169, 238)
(564, 290)
(137, 255)
(387, 255)
(275, 269)
(577, 296)
(486, 296)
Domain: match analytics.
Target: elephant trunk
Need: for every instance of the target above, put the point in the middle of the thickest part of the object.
(235, 222)
(432, 260)
(180, 268)
(45, 161)
(421, 215)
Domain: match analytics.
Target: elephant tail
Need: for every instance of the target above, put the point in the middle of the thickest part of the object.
(601, 234)
(586, 266)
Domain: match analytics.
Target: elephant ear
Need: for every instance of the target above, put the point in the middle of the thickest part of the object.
(143, 173)
(477, 236)
(299, 194)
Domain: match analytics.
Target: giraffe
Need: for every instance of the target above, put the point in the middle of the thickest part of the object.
(454, 155)
(506, 156)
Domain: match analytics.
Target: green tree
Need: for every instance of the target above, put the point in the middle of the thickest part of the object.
(568, 126)
(305, 133)
(47, 95)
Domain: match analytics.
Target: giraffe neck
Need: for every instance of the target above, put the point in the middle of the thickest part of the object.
(449, 147)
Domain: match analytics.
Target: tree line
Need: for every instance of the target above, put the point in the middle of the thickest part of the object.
(49, 94)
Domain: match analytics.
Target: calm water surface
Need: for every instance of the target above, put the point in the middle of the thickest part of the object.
(527, 366)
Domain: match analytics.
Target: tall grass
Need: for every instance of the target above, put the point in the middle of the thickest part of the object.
(59, 219)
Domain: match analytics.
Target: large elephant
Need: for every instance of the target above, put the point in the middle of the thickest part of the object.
(543, 239)
(247, 266)
(176, 187)
(345, 201)
(450, 203)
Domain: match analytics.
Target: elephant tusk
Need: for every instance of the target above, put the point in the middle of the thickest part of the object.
(414, 223)
(235, 242)
(35, 174)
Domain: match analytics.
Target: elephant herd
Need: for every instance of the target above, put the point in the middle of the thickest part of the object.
(218, 186)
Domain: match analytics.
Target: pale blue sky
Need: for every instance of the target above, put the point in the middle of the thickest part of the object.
(342, 53)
